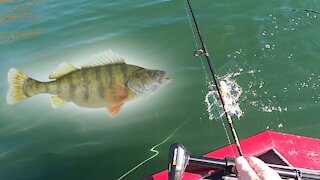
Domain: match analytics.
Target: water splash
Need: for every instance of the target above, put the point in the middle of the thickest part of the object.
(214, 106)
(213, 103)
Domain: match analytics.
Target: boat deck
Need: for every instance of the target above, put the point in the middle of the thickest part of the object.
(272, 147)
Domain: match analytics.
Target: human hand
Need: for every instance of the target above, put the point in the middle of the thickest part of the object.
(252, 168)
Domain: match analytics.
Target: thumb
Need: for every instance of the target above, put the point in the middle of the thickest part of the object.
(245, 172)
(262, 169)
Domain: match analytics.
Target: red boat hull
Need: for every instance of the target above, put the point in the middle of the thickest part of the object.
(291, 150)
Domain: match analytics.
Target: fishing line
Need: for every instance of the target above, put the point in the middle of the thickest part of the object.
(195, 39)
(210, 87)
(227, 135)
(211, 116)
(153, 150)
(203, 50)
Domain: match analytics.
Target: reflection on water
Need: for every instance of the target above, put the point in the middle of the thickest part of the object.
(8, 37)
(16, 17)
(10, 18)
(40, 54)
(7, 1)
(22, 6)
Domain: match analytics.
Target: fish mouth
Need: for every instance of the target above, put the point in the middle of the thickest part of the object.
(163, 78)
(166, 79)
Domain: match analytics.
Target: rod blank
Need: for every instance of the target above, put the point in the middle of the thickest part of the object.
(204, 51)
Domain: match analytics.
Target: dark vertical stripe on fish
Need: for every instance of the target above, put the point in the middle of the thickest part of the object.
(46, 86)
(58, 86)
(26, 93)
(37, 85)
(71, 87)
(110, 72)
(100, 88)
(86, 86)
(124, 71)
(25, 87)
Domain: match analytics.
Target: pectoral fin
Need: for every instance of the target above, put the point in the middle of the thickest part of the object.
(118, 94)
(114, 109)
(117, 97)
(57, 101)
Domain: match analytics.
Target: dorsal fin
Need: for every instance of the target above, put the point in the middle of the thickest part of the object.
(62, 70)
(104, 58)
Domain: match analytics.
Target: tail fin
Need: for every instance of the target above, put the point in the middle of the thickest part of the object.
(16, 80)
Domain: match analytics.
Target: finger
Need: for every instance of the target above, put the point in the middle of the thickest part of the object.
(245, 172)
(262, 169)
(234, 170)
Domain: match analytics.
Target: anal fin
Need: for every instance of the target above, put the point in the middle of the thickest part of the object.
(114, 109)
(57, 101)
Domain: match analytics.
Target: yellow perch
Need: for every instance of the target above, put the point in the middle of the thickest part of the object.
(108, 83)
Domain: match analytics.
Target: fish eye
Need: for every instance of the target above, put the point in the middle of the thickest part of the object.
(152, 73)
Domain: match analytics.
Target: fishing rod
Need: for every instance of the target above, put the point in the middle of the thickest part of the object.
(203, 50)
(179, 158)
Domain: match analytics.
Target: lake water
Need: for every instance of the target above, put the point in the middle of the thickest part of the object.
(270, 48)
